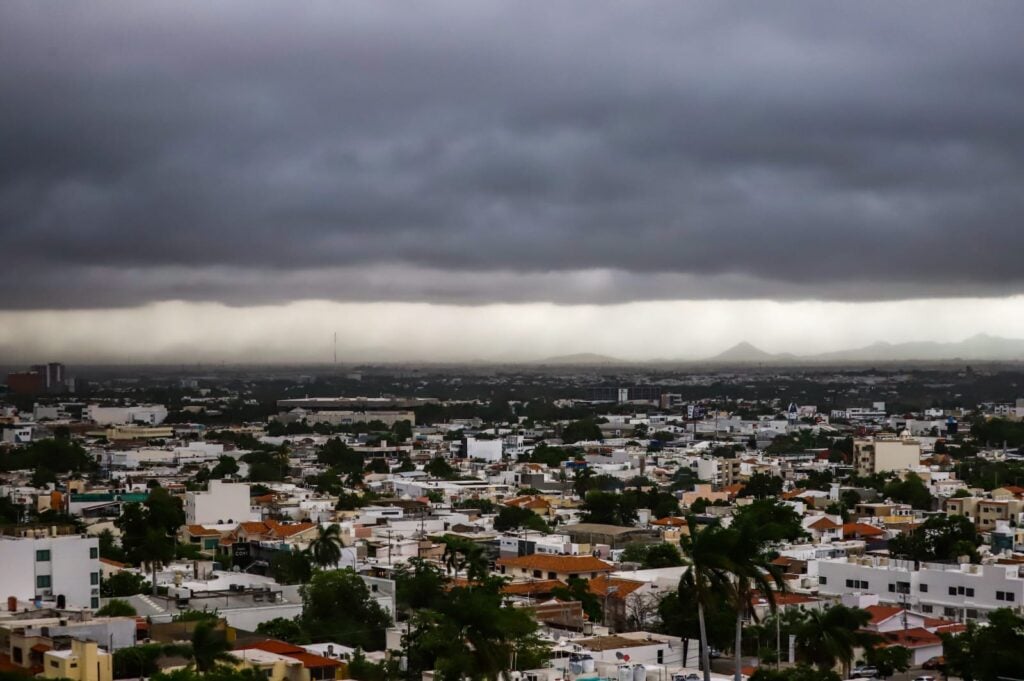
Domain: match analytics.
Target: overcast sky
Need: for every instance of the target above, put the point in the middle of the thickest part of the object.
(578, 172)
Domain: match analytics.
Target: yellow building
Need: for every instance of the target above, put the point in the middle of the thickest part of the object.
(83, 662)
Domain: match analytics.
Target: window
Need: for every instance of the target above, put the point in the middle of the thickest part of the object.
(1010, 595)
(849, 583)
(552, 575)
(926, 608)
(949, 612)
(970, 592)
(661, 656)
(42, 555)
(1000, 595)
(55, 664)
(94, 552)
(94, 578)
(892, 587)
(822, 579)
(862, 584)
(538, 574)
(923, 588)
(952, 591)
(95, 603)
(43, 581)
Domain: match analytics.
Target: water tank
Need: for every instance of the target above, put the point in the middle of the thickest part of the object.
(588, 664)
(639, 673)
(625, 673)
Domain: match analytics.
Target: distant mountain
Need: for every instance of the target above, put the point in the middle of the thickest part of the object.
(587, 358)
(744, 352)
(979, 347)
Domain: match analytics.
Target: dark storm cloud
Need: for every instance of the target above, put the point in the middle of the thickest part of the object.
(471, 152)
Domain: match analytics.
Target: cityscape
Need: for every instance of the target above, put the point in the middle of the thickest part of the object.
(490, 341)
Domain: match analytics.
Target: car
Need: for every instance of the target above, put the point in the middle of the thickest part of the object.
(924, 677)
(714, 654)
(937, 662)
(864, 672)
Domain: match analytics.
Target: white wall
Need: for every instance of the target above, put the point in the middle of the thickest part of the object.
(221, 502)
(69, 568)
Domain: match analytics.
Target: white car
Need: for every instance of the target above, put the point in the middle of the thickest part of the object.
(924, 677)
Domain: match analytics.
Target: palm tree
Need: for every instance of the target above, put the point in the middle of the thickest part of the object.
(706, 551)
(828, 637)
(325, 549)
(753, 575)
(463, 554)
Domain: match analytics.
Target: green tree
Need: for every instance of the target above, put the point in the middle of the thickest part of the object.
(888, 660)
(439, 468)
(123, 583)
(291, 567)
(705, 550)
(325, 548)
(207, 647)
(987, 653)
(769, 521)
(284, 629)
(652, 556)
(910, 490)
(419, 584)
(940, 538)
(514, 517)
(579, 590)
(116, 607)
(753, 575)
(338, 606)
(829, 637)
(584, 429)
(609, 508)
(138, 661)
(762, 486)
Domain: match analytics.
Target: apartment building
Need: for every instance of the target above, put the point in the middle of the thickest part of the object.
(62, 569)
(959, 592)
(886, 454)
(84, 661)
(986, 513)
(222, 502)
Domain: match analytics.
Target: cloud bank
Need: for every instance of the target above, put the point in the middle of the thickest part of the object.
(480, 153)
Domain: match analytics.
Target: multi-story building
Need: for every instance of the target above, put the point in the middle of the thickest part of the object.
(885, 454)
(222, 502)
(62, 569)
(961, 592)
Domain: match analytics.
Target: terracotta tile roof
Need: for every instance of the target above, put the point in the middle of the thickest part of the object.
(881, 613)
(114, 563)
(311, 661)
(253, 527)
(912, 638)
(564, 564)
(862, 530)
(288, 529)
(825, 524)
(624, 587)
(200, 531)
(670, 521)
(273, 646)
(540, 586)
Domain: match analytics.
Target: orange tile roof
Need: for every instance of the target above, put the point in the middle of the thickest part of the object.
(912, 638)
(564, 564)
(311, 661)
(862, 530)
(114, 563)
(200, 531)
(273, 646)
(253, 527)
(288, 529)
(599, 586)
(540, 586)
(670, 521)
(881, 613)
(825, 524)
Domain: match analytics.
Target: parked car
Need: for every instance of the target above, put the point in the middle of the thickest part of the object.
(924, 677)
(864, 672)
(937, 662)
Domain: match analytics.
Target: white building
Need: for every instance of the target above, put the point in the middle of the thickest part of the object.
(484, 450)
(47, 568)
(960, 592)
(882, 455)
(221, 502)
(149, 414)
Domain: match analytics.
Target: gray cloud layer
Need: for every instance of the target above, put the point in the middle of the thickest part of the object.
(467, 152)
